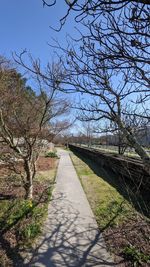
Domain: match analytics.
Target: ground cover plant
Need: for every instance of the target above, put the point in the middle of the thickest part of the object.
(51, 154)
(21, 220)
(126, 231)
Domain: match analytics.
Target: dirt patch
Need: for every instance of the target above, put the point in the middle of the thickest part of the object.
(44, 164)
(11, 183)
(129, 242)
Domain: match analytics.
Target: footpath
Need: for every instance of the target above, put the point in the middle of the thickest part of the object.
(70, 237)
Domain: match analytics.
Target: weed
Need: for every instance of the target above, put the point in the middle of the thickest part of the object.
(31, 231)
(135, 256)
(18, 210)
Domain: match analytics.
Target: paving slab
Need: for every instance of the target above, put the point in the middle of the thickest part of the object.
(70, 237)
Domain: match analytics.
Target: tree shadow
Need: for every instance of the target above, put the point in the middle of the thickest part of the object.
(70, 241)
(12, 253)
(125, 187)
(7, 197)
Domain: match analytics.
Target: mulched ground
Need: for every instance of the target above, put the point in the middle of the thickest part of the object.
(44, 163)
(11, 188)
(135, 232)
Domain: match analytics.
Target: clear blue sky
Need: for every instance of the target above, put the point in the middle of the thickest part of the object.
(25, 24)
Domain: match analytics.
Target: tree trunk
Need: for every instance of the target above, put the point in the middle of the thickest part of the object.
(29, 179)
(119, 143)
(135, 144)
(29, 190)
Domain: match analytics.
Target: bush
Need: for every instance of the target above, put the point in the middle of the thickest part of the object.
(51, 155)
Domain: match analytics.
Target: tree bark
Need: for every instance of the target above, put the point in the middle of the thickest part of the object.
(29, 179)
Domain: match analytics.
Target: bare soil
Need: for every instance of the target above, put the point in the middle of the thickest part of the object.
(11, 186)
(134, 232)
(44, 163)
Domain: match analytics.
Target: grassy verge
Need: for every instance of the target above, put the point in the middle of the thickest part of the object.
(125, 230)
(21, 220)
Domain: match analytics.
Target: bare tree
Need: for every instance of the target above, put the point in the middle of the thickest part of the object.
(94, 9)
(111, 64)
(106, 100)
(26, 120)
(117, 33)
(110, 91)
(87, 130)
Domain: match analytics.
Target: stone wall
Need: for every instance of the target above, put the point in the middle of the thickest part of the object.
(131, 169)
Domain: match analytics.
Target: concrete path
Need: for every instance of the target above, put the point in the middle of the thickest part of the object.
(71, 237)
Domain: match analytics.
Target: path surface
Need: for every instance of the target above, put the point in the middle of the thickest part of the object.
(71, 237)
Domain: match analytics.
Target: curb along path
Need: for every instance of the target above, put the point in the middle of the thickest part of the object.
(71, 237)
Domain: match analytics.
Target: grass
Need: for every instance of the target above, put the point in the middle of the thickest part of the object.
(114, 150)
(46, 175)
(106, 202)
(117, 218)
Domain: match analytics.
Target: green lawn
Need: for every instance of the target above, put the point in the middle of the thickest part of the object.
(107, 204)
(115, 215)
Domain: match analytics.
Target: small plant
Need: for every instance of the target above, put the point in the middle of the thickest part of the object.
(31, 231)
(19, 211)
(51, 155)
(135, 256)
(32, 228)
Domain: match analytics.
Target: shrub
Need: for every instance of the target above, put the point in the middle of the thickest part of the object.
(51, 155)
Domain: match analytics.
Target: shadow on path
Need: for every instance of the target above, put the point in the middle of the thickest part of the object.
(69, 242)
